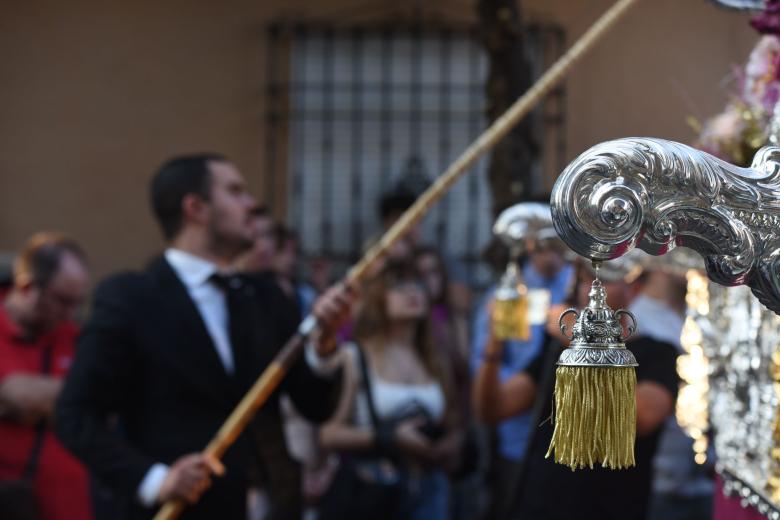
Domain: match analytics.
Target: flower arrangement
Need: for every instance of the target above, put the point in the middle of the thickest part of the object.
(742, 128)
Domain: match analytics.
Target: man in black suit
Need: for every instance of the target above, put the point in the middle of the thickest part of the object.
(171, 351)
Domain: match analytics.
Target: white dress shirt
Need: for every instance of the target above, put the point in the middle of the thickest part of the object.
(195, 273)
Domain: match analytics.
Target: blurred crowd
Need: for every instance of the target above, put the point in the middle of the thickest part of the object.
(430, 416)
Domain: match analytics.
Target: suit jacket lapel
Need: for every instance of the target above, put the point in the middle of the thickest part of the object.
(185, 337)
(245, 317)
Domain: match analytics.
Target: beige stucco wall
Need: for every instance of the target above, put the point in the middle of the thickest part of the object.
(665, 61)
(94, 95)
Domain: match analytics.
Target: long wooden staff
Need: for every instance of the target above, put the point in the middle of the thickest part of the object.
(275, 372)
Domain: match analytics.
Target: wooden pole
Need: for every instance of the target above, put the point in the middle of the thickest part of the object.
(275, 372)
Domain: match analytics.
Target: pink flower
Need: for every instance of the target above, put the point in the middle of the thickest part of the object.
(761, 74)
(721, 134)
(726, 125)
(763, 56)
(771, 97)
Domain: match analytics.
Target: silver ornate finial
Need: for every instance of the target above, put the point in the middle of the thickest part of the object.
(597, 337)
(511, 281)
(516, 224)
(597, 295)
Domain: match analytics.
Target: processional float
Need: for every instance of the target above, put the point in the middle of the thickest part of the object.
(656, 195)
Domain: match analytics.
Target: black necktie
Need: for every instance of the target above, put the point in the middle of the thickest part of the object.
(233, 287)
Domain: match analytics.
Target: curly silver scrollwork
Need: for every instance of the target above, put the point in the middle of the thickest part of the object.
(631, 328)
(563, 326)
(656, 195)
(752, 5)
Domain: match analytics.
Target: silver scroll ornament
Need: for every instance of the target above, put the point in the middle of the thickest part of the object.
(656, 195)
(744, 5)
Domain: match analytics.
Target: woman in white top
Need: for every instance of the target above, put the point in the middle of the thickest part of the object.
(392, 460)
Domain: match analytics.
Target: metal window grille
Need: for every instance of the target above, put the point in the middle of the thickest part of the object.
(354, 111)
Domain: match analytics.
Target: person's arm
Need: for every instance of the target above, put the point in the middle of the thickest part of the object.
(495, 400)
(654, 404)
(314, 382)
(338, 434)
(491, 391)
(657, 384)
(446, 452)
(28, 398)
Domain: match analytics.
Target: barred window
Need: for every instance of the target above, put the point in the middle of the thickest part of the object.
(364, 109)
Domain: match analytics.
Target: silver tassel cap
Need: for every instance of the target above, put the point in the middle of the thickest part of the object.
(597, 338)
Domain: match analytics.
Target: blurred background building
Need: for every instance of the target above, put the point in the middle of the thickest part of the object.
(323, 105)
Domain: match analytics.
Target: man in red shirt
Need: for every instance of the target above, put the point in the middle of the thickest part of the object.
(37, 338)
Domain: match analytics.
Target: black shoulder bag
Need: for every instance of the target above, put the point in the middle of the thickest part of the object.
(17, 497)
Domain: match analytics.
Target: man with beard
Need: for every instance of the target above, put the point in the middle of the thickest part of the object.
(259, 258)
(170, 351)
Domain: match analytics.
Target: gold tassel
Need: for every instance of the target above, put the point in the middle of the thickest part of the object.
(510, 305)
(595, 417)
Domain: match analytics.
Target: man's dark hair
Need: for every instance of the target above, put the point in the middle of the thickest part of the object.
(282, 234)
(395, 203)
(177, 178)
(40, 258)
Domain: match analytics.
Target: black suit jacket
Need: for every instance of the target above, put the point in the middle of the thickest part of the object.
(146, 356)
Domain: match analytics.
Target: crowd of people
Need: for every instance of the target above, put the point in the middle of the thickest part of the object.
(403, 404)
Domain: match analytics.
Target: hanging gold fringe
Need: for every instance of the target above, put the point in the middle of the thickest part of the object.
(595, 417)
